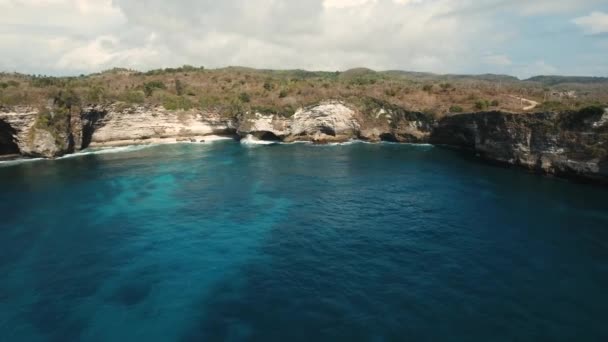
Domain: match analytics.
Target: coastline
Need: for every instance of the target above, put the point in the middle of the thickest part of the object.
(122, 146)
(199, 139)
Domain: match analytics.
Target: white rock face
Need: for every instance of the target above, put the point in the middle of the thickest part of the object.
(42, 143)
(328, 121)
(21, 120)
(114, 124)
(329, 118)
(262, 123)
(31, 141)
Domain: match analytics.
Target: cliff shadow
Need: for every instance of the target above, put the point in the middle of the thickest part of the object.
(8, 143)
(89, 124)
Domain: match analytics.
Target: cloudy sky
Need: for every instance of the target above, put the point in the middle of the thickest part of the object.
(518, 37)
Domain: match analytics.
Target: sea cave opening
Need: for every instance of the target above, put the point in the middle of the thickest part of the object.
(267, 136)
(8, 145)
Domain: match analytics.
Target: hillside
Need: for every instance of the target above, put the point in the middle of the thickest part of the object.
(555, 80)
(234, 90)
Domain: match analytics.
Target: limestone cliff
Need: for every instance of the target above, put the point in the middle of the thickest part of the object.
(23, 132)
(572, 144)
(119, 125)
(327, 122)
(336, 121)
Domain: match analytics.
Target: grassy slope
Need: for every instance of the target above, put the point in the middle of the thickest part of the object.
(235, 89)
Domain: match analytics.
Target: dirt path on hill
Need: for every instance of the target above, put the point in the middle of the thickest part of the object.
(531, 103)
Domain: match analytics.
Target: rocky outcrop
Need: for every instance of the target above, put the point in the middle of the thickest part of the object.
(386, 122)
(269, 127)
(116, 124)
(329, 121)
(571, 144)
(20, 134)
(42, 143)
(335, 121)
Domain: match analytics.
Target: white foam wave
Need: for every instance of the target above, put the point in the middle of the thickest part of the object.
(406, 144)
(345, 143)
(251, 140)
(18, 161)
(108, 150)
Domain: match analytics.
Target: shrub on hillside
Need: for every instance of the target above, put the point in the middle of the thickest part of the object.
(390, 92)
(96, 94)
(171, 102)
(149, 87)
(179, 88)
(244, 97)
(582, 117)
(482, 104)
(133, 96)
(456, 109)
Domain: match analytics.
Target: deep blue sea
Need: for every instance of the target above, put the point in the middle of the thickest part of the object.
(360, 242)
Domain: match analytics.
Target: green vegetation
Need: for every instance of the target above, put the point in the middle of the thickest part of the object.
(244, 97)
(235, 90)
(549, 106)
(149, 87)
(133, 96)
(582, 117)
(555, 80)
(481, 104)
(56, 120)
(171, 102)
(456, 109)
(179, 88)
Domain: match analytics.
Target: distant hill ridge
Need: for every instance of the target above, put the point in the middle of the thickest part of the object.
(362, 72)
(554, 80)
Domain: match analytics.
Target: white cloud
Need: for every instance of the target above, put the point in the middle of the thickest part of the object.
(344, 3)
(594, 23)
(533, 7)
(77, 36)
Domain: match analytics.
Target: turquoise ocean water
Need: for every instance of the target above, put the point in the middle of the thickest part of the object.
(359, 242)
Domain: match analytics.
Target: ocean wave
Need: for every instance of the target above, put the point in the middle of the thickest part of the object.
(252, 141)
(107, 150)
(407, 144)
(346, 143)
(19, 161)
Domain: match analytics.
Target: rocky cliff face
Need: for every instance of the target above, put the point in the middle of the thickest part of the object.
(327, 122)
(335, 121)
(573, 144)
(119, 125)
(20, 134)
(386, 122)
